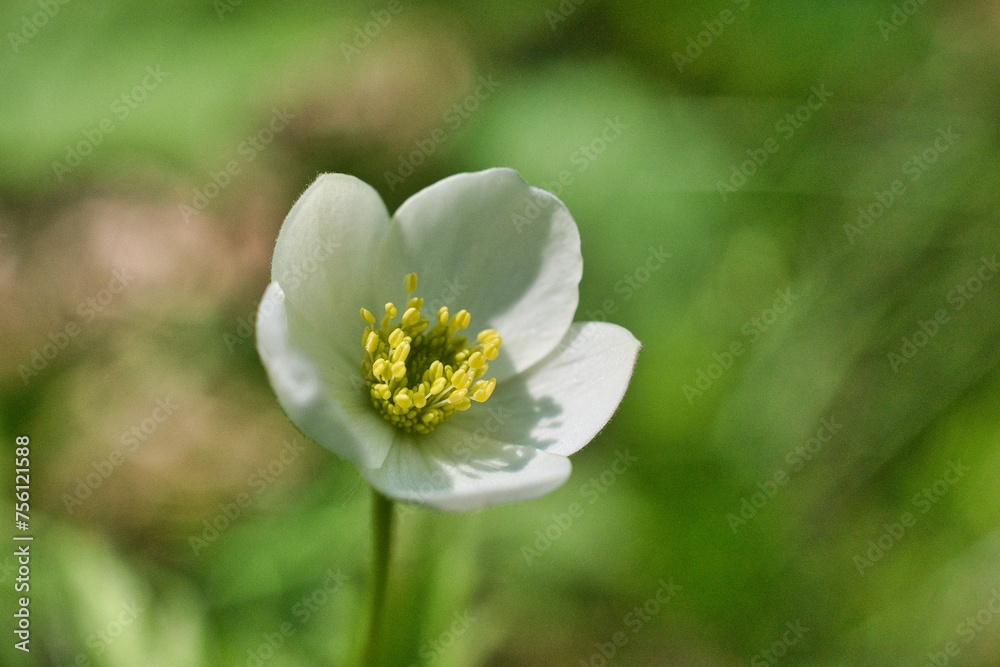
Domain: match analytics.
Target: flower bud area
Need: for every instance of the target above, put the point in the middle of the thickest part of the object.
(419, 374)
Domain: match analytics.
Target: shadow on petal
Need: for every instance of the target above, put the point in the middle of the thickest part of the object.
(451, 470)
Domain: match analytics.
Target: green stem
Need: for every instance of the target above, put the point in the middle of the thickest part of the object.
(381, 546)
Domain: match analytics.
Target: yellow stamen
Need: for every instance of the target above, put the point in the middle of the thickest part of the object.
(403, 399)
(477, 361)
(411, 316)
(396, 337)
(420, 372)
(482, 390)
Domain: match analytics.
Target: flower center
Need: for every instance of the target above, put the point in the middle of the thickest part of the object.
(420, 375)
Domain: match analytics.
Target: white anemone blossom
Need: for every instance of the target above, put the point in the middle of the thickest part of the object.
(361, 333)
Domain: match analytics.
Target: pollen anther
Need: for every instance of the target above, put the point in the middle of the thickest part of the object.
(420, 372)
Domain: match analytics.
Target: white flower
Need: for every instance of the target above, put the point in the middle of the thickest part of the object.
(389, 388)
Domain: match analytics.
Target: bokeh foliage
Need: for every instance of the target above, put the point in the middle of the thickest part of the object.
(708, 430)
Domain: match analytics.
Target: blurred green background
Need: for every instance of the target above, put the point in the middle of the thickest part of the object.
(813, 418)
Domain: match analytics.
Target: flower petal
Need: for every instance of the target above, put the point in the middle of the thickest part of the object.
(327, 253)
(459, 474)
(330, 412)
(561, 403)
(503, 250)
